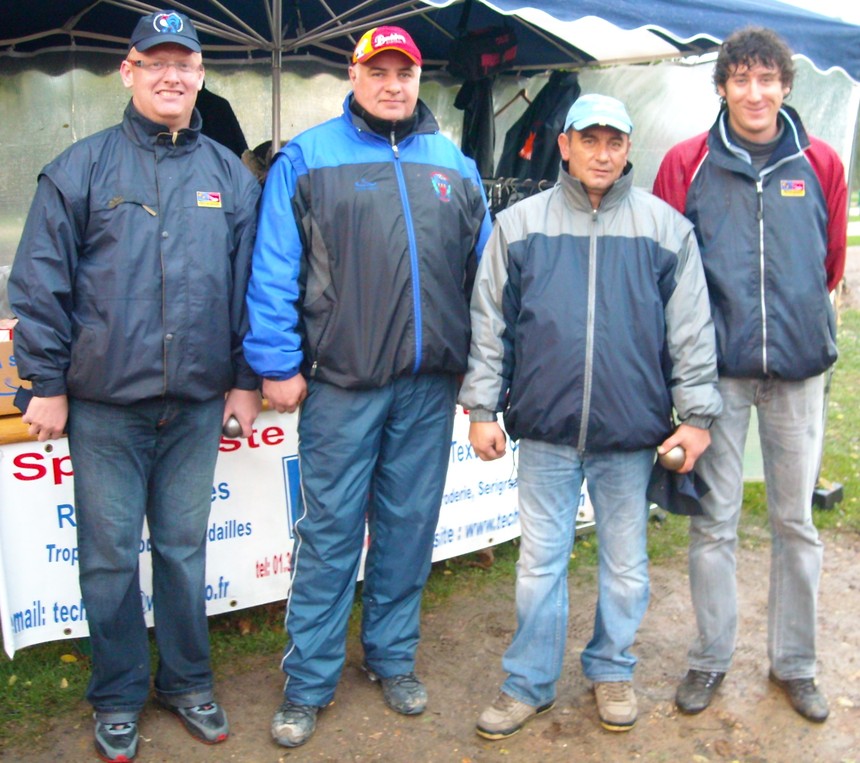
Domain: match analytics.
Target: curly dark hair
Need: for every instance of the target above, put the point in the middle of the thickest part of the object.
(750, 46)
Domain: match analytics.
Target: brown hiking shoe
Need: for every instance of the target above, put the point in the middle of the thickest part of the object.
(506, 716)
(616, 705)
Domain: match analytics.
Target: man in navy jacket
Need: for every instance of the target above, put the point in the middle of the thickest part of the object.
(129, 286)
(769, 205)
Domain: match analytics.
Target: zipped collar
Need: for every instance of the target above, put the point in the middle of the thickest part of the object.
(577, 196)
(425, 122)
(401, 128)
(148, 134)
(793, 142)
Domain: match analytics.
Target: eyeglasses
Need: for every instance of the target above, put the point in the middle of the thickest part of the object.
(183, 67)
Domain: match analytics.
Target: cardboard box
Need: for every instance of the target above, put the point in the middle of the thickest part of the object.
(9, 381)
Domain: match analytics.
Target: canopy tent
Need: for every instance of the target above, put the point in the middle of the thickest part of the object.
(550, 33)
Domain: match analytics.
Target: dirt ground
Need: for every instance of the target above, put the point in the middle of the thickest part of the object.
(459, 659)
(750, 721)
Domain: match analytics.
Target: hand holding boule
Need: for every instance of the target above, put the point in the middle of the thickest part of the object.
(232, 427)
(673, 459)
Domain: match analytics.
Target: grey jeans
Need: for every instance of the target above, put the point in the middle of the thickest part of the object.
(790, 416)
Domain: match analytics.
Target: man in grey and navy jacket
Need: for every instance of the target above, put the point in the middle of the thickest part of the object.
(769, 205)
(369, 235)
(590, 321)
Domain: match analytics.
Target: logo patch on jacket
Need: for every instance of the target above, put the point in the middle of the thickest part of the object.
(442, 186)
(363, 184)
(792, 187)
(208, 199)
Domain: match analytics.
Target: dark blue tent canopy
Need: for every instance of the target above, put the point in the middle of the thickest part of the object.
(243, 29)
(551, 33)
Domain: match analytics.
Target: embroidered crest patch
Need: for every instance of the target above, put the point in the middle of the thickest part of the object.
(208, 199)
(442, 186)
(792, 187)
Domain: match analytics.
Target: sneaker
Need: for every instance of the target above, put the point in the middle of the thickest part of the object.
(116, 742)
(697, 690)
(207, 723)
(804, 697)
(616, 705)
(404, 693)
(294, 724)
(506, 716)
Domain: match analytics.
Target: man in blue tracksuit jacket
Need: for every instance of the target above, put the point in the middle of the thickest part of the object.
(369, 235)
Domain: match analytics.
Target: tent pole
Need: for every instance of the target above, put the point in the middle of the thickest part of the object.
(277, 36)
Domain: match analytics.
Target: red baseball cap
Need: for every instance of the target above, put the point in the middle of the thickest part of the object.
(382, 38)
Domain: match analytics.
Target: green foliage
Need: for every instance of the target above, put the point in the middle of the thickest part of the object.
(255, 631)
(854, 240)
(841, 463)
(42, 680)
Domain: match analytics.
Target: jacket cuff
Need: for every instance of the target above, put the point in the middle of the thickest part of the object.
(50, 387)
(245, 378)
(282, 377)
(700, 422)
(481, 415)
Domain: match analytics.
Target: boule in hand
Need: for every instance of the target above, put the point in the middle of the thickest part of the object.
(673, 459)
(232, 427)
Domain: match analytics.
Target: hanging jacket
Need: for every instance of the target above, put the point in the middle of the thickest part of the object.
(531, 150)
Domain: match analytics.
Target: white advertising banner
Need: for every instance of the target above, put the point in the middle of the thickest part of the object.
(255, 498)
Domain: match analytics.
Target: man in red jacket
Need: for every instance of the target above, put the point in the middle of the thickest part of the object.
(769, 205)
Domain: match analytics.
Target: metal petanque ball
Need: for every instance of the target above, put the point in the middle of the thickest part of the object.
(673, 459)
(232, 427)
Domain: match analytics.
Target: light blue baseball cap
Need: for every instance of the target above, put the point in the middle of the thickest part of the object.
(602, 110)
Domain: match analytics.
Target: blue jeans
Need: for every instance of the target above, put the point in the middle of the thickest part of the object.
(790, 417)
(380, 455)
(153, 459)
(549, 480)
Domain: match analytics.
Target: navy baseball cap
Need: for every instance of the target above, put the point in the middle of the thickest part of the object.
(594, 109)
(161, 27)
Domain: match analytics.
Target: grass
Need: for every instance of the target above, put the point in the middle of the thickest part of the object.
(50, 679)
(855, 204)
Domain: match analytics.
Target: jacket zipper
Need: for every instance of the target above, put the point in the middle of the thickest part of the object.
(760, 217)
(589, 333)
(163, 282)
(413, 252)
